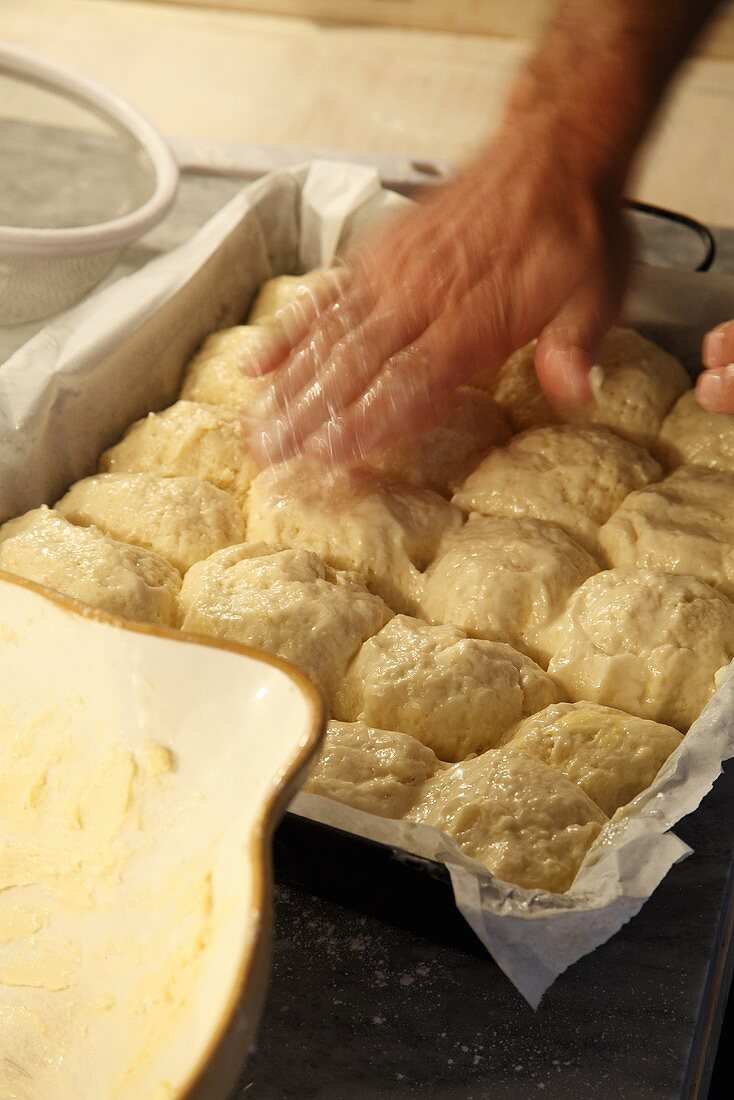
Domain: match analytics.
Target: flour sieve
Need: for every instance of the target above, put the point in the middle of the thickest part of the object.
(82, 175)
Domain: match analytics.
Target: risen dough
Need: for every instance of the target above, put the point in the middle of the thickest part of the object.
(374, 770)
(693, 436)
(83, 563)
(505, 579)
(457, 695)
(571, 476)
(684, 524)
(215, 375)
(182, 519)
(640, 383)
(187, 439)
(644, 641)
(523, 820)
(284, 289)
(386, 531)
(610, 755)
(286, 602)
(441, 457)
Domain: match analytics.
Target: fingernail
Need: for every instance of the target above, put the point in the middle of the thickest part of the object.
(715, 389)
(572, 377)
(713, 345)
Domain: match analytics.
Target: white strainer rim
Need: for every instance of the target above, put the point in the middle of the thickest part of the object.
(77, 240)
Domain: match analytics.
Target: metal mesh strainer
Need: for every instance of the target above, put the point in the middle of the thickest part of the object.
(81, 175)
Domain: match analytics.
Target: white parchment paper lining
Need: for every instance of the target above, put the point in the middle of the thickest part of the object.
(72, 389)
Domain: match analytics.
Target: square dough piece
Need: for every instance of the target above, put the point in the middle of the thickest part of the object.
(182, 519)
(684, 524)
(215, 375)
(574, 477)
(610, 755)
(457, 695)
(385, 531)
(640, 383)
(643, 641)
(441, 457)
(505, 579)
(189, 440)
(286, 602)
(692, 436)
(83, 563)
(284, 290)
(374, 770)
(523, 820)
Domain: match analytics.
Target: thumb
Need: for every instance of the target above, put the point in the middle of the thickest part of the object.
(566, 347)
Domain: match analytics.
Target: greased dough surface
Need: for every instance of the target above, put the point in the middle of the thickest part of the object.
(684, 524)
(83, 563)
(385, 531)
(505, 579)
(215, 375)
(378, 771)
(182, 519)
(190, 440)
(523, 820)
(457, 695)
(693, 436)
(440, 458)
(574, 477)
(644, 641)
(610, 755)
(281, 291)
(639, 386)
(286, 602)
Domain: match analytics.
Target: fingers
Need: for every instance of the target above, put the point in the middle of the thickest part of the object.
(566, 347)
(718, 346)
(715, 389)
(290, 325)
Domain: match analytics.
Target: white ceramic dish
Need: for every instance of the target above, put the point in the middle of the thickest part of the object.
(141, 775)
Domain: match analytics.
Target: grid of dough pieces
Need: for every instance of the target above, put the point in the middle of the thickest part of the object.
(453, 711)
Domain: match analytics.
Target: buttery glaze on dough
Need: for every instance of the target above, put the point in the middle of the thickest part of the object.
(286, 602)
(693, 436)
(640, 383)
(684, 524)
(505, 579)
(215, 375)
(643, 641)
(182, 519)
(610, 755)
(287, 290)
(190, 440)
(571, 476)
(385, 531)
(457, 695)
(523, 820)
(83, 563)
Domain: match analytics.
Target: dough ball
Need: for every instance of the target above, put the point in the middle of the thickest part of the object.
(385, 531)
(457, 695)
(693, 436)
(523, 820)
(215, 375)
(286, 602)
(83, 563)
(277, 293)
(190, 440)
(640, 383)
(182, 519)
(644, 641)
(684, 524)
(505, 579)
(441, 457)
(574, 477)
(373, 770)
(610, 755)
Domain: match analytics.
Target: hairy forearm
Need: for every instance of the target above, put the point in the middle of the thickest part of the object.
(599, 73)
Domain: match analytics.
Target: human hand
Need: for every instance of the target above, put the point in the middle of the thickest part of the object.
(522, 243)
(715, 387)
